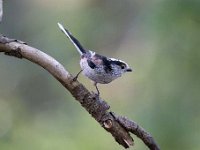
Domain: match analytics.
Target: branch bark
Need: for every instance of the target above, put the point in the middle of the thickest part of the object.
(119, 127)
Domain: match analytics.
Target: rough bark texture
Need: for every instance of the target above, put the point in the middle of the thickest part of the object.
(119, 127)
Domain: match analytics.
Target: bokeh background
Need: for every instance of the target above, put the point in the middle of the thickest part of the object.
(158, 38)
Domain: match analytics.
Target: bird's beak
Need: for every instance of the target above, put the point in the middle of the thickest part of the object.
(129, 70)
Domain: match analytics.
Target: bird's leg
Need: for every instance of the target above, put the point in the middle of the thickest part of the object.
(95, 84)
(75, 78)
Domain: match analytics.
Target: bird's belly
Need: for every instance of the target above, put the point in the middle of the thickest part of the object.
(98, 78)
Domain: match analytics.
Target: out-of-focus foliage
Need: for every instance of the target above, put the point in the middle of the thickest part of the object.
(159, 38)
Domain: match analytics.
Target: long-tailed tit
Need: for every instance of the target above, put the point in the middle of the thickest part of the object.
(98, 68)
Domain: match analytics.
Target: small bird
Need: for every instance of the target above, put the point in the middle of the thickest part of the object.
(98, 68)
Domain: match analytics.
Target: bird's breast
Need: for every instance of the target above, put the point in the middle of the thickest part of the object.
(97, 74)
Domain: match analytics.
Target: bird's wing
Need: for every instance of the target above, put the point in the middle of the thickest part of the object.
(99, 60)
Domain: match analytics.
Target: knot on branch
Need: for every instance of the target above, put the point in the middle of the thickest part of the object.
(108, 124)
(15, 53)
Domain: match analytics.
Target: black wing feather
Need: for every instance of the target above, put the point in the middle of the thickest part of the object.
(104, 61)
(91, 64)
(107, 64)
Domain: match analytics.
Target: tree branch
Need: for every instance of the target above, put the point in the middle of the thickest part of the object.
(119, 127)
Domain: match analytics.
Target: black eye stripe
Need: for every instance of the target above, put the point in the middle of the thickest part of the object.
(119, 63)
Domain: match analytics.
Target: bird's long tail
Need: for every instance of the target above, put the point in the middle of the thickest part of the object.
(76, 43)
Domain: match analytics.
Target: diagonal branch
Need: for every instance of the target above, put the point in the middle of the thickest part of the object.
(119, 127)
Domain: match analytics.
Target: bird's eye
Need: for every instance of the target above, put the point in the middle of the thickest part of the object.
(123, 66)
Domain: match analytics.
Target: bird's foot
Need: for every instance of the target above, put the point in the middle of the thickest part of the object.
(76, 77)
(98, 93)
(95, 95)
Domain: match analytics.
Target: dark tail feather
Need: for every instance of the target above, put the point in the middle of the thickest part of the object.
(76, 43)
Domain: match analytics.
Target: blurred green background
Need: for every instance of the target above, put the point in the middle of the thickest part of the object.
(158, 38)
